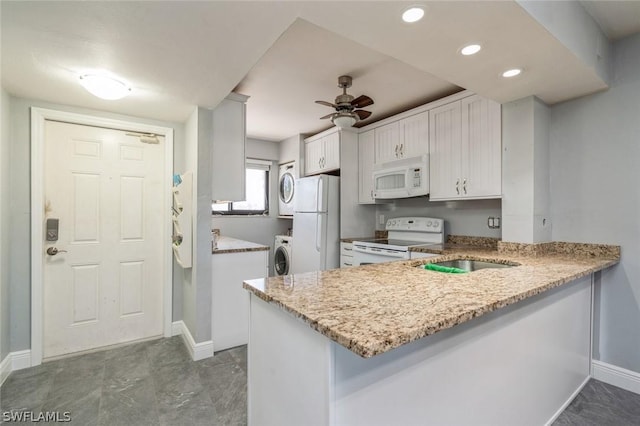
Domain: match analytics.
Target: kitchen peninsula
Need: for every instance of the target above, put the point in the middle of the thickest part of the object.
(392, 343)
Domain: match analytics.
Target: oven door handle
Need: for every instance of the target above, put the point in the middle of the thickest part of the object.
(379, 252)
(360, 249)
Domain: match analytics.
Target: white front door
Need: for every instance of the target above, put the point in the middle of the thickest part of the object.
(106, 190)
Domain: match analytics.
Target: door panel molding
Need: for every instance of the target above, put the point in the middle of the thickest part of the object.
(38, 118)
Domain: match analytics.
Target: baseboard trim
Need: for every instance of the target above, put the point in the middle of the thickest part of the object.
(567, 402)
(14, 361)
(20, 359)
(176, 328)
(616, 376)
(197, 351)
(5, 368)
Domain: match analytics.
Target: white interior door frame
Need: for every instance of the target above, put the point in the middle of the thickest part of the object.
(38, 118)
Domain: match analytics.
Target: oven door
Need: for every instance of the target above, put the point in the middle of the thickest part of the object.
(364, 255)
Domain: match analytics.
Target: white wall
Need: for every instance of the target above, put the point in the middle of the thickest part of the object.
(5, 198)
(20, 208)
(292, 149)
(595, 173)
(461, 217)
(258, 229)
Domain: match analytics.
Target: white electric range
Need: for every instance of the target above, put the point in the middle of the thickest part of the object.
(402, 233)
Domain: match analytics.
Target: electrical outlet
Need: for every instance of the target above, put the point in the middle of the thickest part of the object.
(381, 219)
(493, 222)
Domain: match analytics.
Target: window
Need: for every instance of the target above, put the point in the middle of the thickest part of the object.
(257, 192)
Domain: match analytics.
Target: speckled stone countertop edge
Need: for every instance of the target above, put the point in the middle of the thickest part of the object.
(234, 245)
(445, 322)
(240, 250)
(404, 338)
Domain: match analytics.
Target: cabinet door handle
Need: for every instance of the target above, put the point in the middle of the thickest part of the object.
(397, 151)
(401, 150)
(372, 194)
(464, 185)
(458, 186)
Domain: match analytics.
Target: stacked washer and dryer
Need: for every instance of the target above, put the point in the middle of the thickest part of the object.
(286, 194)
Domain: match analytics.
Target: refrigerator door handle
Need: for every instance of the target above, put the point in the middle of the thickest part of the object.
(318, 232)
(319, 196)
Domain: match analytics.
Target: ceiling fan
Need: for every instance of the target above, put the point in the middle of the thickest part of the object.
(346, 114)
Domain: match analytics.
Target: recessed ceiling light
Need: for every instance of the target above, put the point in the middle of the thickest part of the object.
(413, 14)
(471, 49)
(512, 72)
(104, 86)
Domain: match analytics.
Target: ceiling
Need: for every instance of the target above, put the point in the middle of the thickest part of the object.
(617, 19)
(284, 55)
(304, 65)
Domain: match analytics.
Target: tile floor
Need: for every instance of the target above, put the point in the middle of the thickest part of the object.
(600, 404)
(149, 383)
(156, 383)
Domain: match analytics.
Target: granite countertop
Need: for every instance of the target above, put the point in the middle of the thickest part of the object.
(379, 235)
(350, 240)
(372, 309)
(233, 245)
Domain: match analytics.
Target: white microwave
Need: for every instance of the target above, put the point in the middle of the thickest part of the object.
(404, 178)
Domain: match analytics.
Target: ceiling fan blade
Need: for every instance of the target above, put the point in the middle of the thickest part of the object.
(329, 104)
(362, 114)
(326, 116)
(362, 101)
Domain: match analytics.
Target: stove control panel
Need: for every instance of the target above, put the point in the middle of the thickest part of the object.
(415, 224)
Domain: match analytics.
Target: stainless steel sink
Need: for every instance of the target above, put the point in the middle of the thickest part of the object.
(471, 265)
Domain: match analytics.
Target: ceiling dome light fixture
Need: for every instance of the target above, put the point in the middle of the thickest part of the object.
(343, 120)
(104, 86)
(512, 72)
(413, 14)
(470, 49)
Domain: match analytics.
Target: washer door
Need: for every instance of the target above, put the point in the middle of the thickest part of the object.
(286, 187)
(281, 261)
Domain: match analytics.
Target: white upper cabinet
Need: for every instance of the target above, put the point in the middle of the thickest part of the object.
(482, 147)
(414, 135)
(444, 152)
(322, 153)
(313, 152)
(387, 142)
(465, 150)
(405, 138)
(366, 157)
(228, 149)
(331, 151)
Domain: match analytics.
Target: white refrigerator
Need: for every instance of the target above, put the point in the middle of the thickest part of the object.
(316, 224)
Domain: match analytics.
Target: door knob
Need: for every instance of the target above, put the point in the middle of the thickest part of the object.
(52, 251)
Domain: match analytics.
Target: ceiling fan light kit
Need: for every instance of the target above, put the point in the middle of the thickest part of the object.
(346, 114)
(343, 120)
